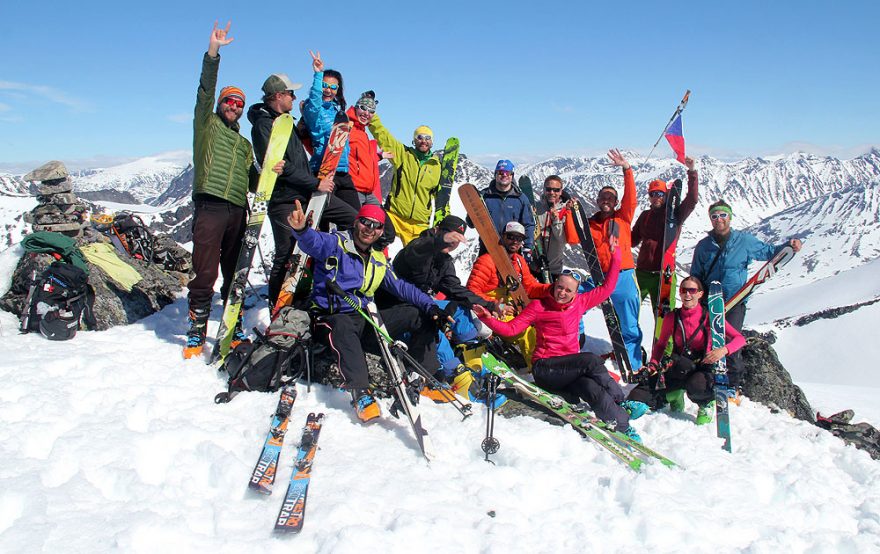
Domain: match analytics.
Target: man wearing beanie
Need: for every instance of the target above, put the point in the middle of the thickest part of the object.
(349, 259)
(724, 255)
(222, 160)
(416, 180)
(296, 180)
(505, 202)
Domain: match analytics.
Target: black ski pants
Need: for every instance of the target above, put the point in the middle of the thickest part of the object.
(349, 334)
(735, 318)
(218, 227)
(336, 211)
(585, 375)
(697, 380)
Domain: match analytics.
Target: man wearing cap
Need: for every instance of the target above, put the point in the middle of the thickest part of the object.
(349, 259)
(505, 202)
(603, 224)
(484, 282)
(222, 160)
(295, 182)
(724, 255)
(648, 231)
(416, 180)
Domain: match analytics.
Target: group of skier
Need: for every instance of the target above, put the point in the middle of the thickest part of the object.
(420, 298)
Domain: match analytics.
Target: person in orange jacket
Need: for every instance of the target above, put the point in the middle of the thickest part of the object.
(484, 282)
(364, 156)
(625, 297)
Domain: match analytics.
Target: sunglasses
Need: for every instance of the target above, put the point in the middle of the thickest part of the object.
(719, 215)
(553, 189)
(514, 237)
(368, 110)
(502, 173)
(371, 224)
(426, 138)
(328, 85)
(233, 102)
(688, 290)
(657, 194)
(573, 274)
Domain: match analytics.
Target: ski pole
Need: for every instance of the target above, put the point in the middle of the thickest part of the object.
(675, 114)
(399, 348)
(490, 444)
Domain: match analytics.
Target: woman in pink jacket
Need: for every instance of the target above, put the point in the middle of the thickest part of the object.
(558, 364)
(692, 353)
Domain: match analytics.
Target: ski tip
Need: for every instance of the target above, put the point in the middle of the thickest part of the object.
(222, 398)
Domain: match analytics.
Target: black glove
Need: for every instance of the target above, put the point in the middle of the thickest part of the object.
(438, 316)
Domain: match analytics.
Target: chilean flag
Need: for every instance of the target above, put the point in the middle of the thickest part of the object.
(676, 138)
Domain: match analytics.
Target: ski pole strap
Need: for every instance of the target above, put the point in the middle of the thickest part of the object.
(334, 287)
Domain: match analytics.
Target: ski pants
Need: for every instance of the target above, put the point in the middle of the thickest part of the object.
(349, 333)
(735, 318)
(585, 375)
(336, 211)
(626, 301)
(218, 227)
(698, 380)
(407, 229)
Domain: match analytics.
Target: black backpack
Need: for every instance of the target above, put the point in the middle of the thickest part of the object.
(62, 299)
(272, 360)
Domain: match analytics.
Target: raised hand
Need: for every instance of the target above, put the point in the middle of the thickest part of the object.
(297, 219)
(317, 63)
(690, 163)
(617, 158)
(218, 38)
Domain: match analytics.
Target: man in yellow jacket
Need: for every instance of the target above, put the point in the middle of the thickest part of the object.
(416, 179)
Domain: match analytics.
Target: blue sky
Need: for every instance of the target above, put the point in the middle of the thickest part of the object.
(519, 80)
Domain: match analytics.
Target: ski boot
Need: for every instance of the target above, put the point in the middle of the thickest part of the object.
(365, 406)
(676, 401)
(632, 434)
(705, 413)
(198, 329)
(238, 334)
(634, 408)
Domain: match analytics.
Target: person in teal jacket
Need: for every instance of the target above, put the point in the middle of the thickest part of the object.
(326, 100)
(724, 256)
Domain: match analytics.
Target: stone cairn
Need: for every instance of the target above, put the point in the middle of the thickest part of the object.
(59, 210)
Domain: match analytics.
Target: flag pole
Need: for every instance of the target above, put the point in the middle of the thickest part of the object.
(678, 111)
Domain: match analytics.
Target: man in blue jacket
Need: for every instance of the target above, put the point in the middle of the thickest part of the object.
(505, 202)
(348, 258)
(725, 256)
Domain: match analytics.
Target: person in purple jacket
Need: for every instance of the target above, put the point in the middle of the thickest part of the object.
(348, 258)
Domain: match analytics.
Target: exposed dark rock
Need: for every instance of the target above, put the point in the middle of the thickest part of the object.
(109, 195)
(765, 380)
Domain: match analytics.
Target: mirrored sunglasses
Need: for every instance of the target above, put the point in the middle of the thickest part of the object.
(233, 102)
(688, 290)
(371, 224)
(328, 85)
(718, 215)
(657, 194)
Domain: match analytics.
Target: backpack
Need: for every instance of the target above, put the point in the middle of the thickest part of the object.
(62, 299)
(134, 235)
(274, 359)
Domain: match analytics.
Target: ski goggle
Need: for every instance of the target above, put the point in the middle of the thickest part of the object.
(328, 85)
(719, 215)
(573, 274)
(371, 224)
(688, 290)
(657, 194)
(233, 102)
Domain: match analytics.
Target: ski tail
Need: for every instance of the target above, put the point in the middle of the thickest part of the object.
(292, 514)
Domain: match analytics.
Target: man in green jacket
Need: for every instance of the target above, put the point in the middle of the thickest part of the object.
(416, 179)
(222, 160)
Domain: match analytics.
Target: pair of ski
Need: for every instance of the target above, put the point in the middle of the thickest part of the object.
(628, 451)
(291, 516)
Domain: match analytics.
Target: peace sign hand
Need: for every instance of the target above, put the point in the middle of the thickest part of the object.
(317, 63)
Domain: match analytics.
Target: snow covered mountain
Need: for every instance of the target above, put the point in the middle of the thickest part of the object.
(12, 185)
(146, 178)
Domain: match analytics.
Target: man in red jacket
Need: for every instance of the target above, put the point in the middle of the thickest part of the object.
(364, 155)
(625, 297)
